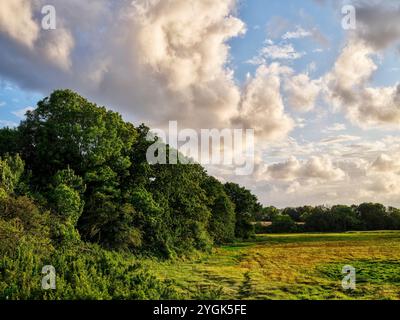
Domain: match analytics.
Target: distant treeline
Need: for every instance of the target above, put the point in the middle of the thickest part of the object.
(339, 218)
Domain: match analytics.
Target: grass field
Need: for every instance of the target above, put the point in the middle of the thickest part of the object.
(296, 266)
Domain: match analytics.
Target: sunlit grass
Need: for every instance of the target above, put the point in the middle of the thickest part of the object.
(292, 266)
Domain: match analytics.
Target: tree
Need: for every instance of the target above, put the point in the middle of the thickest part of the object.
(267, 214)
(319, 219)
(372, 215)
(66, 200)
(246, 205)
(393, 222)
(173, 195)
(344, 218)
(11, 170)
(9, 141)
(150, 223)
(222, 221)
(283, 224)
(90, 168)
(294, 213)
(177, 189)
(67, 131)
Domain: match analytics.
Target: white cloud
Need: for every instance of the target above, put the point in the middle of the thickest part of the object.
(16, 20)
(21, 113)
(386, 163)
(302, 92)
(340, 138)
(297, 34)
(348, 89)
(153, 61)
(336, 127)
(19, 23)
(57, 46)
(316, 168)
(7, 123)
(285, 51)
(262, 106)
(276, 52)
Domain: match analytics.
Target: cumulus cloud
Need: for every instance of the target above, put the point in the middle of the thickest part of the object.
(349, 88)
(302, 92)
(348, 85)
(385, 163)
(339, 176)
(318, 168)
(153, 61)
(262, 106)
(385, 185)
(378, 23)
(348, 170)
(20, 22)
(57, 46)
(16, 21)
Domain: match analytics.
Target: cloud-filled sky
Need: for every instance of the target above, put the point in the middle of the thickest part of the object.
(324, 102)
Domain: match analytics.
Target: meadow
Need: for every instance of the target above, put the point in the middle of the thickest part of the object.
(291, 266)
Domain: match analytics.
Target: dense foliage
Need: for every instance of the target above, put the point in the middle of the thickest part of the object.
(77, 193)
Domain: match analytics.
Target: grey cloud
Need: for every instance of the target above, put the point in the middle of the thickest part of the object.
(378, 22)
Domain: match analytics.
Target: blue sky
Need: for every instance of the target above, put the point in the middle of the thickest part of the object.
(13, 100)
(259, 16)
(324, 101)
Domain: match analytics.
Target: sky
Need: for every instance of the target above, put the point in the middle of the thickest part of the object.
(324, 101)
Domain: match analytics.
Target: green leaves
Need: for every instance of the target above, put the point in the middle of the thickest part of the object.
(246, 206)
(222, 221)
(11, 170)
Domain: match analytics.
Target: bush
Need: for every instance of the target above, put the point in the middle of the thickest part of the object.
(82, 273)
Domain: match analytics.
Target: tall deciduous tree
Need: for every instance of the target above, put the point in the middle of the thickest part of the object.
(246, 205)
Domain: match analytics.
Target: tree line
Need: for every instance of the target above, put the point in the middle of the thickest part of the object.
(338, 218)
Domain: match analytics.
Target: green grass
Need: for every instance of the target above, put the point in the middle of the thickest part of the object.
(291, 266)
